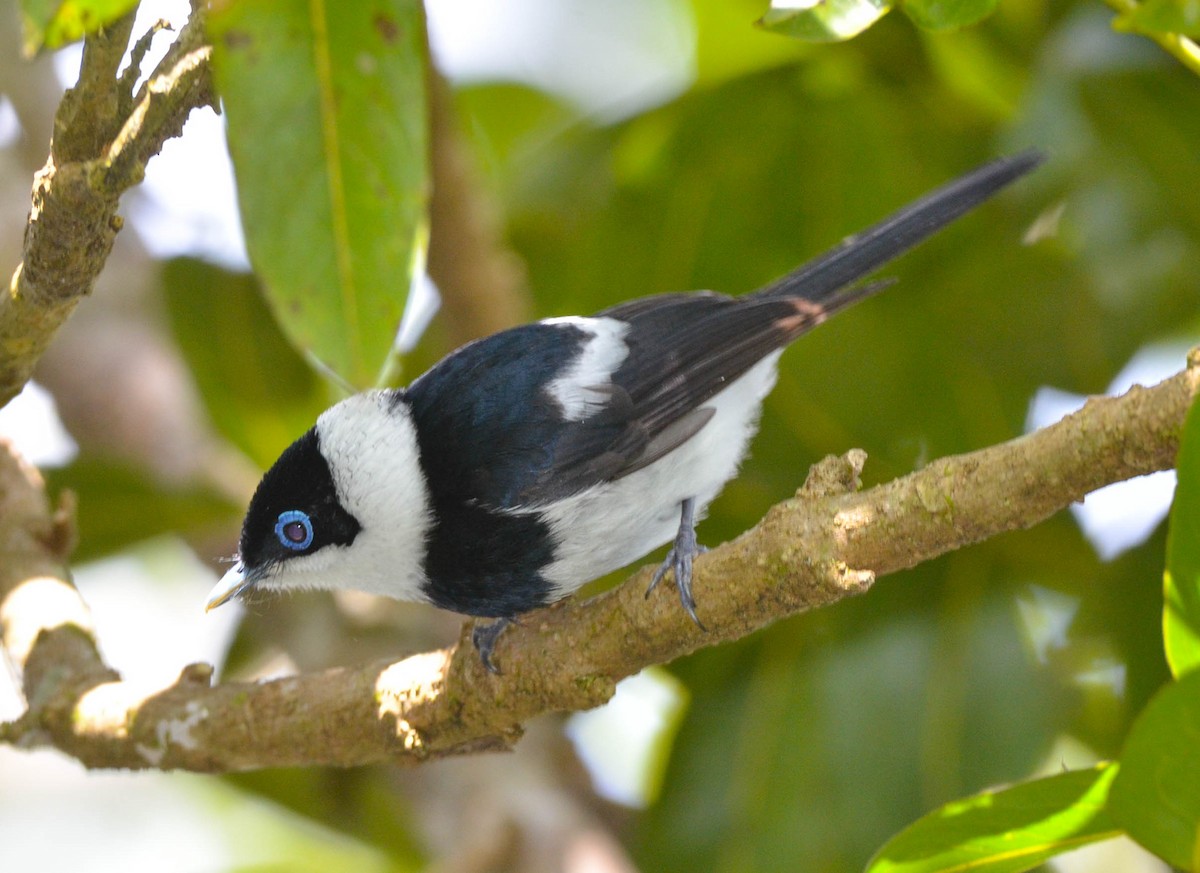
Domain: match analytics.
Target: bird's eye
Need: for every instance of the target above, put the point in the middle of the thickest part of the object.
(294, 530)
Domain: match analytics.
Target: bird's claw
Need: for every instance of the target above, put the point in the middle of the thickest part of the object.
(484, 637)
(679, 559)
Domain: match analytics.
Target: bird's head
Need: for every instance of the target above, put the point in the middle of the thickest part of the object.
(344, 507)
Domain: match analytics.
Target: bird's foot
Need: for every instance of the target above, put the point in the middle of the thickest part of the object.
(484, 637)
(683, 552)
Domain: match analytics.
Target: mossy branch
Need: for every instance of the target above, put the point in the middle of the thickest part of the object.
(104, 133)
(829, 542)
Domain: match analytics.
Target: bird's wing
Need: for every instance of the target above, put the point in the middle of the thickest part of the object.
(515, 420)
(683, 349)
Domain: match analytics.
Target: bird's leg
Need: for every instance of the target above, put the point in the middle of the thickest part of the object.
(679, 559)
(484, 637)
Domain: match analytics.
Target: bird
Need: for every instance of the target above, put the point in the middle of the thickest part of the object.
(530, 462)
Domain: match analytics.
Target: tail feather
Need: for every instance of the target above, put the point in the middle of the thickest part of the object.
(865, 252)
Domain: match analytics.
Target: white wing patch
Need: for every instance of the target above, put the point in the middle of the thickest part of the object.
(579, 390)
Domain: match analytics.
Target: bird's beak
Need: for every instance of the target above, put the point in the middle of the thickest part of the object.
(231, 585)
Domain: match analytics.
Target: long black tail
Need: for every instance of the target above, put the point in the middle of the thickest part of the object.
(860, 255)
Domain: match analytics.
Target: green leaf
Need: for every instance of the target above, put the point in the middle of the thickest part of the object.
(54, 23)
(824, 20)
(726, 48)
(947, 14)
(326, 109)
(119, 505)
(1007, 830)
(1181, 581)
(1160, 17)
(259, 392)
(1156, 796)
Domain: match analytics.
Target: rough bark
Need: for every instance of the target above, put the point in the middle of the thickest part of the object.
(104, 133)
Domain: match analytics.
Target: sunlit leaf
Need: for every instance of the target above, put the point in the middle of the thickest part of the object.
(259, 392)
(824, 20)
(947, 14)
(326, 108)
(54, 23)
(1006, 830)
(1162, 17)
(1181, 594)
(1156, 796)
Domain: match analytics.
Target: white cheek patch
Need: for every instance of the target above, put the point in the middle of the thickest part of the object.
(371, 447)
(580, 389)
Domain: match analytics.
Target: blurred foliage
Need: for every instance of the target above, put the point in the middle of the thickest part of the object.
(808, 745)
(121, 504)
(259, 391)
(358, 802)
(53, 23)
(1163, 16)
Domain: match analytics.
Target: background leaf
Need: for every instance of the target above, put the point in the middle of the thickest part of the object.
(326, 107)
(947, 14)
(54, 23)
(259, 392)
(119, 505)
(1162, 17)
(1006, 830)
(825, 20)
(1181, 609)
(1155, 797)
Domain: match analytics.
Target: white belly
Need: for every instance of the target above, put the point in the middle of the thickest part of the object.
(614, 524)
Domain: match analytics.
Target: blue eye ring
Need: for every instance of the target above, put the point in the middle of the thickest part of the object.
(286, 530)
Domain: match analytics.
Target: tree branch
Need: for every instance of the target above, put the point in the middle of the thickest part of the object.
(826, 544)
(103, 137)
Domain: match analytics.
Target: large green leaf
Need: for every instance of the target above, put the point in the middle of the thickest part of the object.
(1181, 581)
(259, 392)
(1156, 796)
(54, 23)
(326, 108)
(824, 20)
(1006, 830)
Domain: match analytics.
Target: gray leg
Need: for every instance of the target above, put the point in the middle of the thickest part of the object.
(484, 637)
(680, 558)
